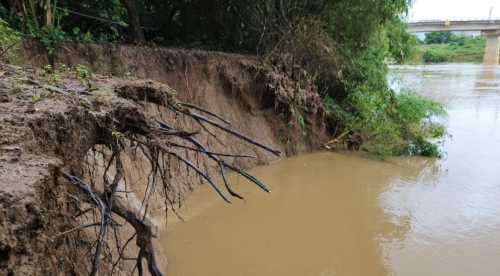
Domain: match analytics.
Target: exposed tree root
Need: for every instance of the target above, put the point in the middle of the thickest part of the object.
(348, 138)
(206, 111)
(155, 140)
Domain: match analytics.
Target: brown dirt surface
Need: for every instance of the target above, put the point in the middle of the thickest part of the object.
(54, 120)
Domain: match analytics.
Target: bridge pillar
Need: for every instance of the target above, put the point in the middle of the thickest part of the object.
(491, 55)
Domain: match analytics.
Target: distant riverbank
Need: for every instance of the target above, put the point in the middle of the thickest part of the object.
(460, 49)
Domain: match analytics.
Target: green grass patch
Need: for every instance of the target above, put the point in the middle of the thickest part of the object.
(460, 49)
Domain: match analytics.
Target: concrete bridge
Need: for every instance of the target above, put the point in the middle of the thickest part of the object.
(489, 28)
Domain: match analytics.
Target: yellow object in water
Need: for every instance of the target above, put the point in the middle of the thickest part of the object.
(447, 23)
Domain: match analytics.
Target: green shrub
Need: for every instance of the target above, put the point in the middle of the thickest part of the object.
(82, 72)
(8, 38)
(432, 56)
(393, 123)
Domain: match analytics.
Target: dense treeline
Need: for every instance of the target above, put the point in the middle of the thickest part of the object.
(340, 46)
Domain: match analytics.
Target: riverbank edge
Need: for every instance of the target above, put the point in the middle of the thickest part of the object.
(235, 86)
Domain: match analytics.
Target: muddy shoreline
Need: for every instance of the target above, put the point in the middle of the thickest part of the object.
(45, 133)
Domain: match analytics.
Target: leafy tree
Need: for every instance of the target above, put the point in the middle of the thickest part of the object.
(133, 16)
(339, 46)
(438, 37)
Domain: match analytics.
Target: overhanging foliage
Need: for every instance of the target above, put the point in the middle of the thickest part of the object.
(340, 47)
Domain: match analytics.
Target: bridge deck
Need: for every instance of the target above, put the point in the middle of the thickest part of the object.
(453, 26)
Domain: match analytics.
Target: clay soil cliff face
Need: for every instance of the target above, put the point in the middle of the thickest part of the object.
(45, 133)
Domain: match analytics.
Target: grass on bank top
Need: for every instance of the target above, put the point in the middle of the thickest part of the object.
(460, 49)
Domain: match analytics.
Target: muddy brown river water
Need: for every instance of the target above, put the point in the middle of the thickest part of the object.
(339, 214)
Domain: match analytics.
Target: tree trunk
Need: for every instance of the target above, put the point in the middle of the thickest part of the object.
(135, 24)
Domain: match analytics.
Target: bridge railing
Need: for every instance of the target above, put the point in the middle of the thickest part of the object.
(434, 21)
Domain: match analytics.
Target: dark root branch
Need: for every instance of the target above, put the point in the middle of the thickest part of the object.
(160, 145)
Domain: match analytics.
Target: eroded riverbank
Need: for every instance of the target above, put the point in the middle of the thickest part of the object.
(64, 119)
(331, 214)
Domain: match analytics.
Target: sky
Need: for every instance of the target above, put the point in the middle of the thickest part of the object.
(454, 9)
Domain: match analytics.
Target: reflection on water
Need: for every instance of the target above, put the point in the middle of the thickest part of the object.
(333, 214)
(486, 78)
(456, 223)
